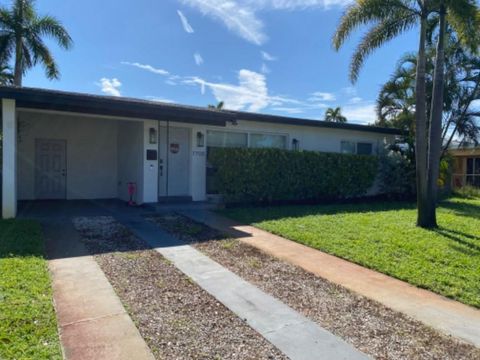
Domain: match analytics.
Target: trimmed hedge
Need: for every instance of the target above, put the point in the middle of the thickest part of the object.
(273, 175)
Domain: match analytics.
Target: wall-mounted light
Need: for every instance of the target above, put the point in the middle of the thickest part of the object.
(295, 144)
(200, 139)
(152, 134)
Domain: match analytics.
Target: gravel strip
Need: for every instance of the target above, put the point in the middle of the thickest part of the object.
(366, 324)
(177, 319)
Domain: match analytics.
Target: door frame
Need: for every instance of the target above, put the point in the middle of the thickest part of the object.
(163, 191)
(36, 168)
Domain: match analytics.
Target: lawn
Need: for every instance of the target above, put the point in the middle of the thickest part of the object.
(383, 236)
(28, 326)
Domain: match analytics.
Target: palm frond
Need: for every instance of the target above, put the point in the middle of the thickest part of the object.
(364, 12)
(49, 26)
(384, 31)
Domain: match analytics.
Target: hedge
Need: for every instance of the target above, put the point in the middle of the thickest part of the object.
(273, 175)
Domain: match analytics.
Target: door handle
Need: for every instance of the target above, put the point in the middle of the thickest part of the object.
(161, 170)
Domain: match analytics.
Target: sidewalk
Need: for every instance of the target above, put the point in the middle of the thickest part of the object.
(445, 315)
(93, 322)
(292, 333)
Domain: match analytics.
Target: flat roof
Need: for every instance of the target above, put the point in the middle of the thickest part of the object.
(45, 99)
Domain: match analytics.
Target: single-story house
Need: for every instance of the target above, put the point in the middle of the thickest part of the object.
(466, 166)
(63, 145)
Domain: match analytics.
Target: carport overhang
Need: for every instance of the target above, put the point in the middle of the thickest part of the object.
(14, 98)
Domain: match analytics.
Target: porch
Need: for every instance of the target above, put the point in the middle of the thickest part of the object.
(63, 146)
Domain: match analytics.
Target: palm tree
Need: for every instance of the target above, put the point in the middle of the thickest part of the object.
(21, 33)
(219, 106)
(6, 76)
(388, 19)
(335, 115)
(395, 103)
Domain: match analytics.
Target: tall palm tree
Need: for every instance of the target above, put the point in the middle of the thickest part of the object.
(335, 115)
(388, 19)
(21, 36)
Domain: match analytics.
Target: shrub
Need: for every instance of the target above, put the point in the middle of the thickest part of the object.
(274, 175)
(468, 192)
(397, 174)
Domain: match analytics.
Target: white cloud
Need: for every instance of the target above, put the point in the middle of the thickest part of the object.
(265, 69)
(250, 94)
(110, 86)
(319, 96)
(186, 25)
(267, 57)
(355, 100)
(147, 68)
(198, 59)
(289, 110)
(241, 16)
(297, 4)
(360, 114)
(160, 99)
(235, 15)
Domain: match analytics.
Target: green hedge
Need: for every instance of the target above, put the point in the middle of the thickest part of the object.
(273, 175)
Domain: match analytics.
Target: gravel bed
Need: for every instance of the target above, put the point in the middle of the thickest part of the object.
(177, 319)
(369, 326)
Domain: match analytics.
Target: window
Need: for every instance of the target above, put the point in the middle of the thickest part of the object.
(268, 141)
(360, 148)
(364, 148)
(473, 171)
(227, 139)
(348, 147)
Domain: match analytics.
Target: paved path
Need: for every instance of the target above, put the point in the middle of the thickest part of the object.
(296, 336)
(445, 315)
(93, 322)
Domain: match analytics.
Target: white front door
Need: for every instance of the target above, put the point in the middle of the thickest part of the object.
(50, 169)
(174, 169)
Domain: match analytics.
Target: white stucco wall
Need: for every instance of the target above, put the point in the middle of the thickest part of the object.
(9, 163)
(104, 154)
(130, 158)
(150, 167)
(91, 153)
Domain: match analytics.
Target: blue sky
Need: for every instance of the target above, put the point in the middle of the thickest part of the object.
(270, 56)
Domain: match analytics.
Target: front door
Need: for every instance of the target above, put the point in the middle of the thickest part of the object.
(50, 169)
(174, 169)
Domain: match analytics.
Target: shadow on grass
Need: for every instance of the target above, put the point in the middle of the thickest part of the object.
(463, 208)
(269, 213)
(459, 237)
(20, 238)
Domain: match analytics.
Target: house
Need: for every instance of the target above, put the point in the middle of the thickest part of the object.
(62, 145)
(466, 166)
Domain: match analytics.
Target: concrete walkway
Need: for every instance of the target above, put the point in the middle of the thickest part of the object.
(448, 316)
(296, 336)
(93, 322)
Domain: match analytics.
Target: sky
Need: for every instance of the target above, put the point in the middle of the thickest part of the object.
(268, 56)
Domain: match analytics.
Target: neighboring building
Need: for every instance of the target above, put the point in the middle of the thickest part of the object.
(60, 145)
(466, 166)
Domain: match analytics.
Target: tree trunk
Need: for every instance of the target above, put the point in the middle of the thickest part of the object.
(421, 128)
(435, 136)
(18, 72)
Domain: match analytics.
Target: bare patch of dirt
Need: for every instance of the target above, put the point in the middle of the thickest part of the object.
(366, 324)
(177, 319)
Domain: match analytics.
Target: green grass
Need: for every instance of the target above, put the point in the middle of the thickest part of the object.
(383, 236)
(28, 326)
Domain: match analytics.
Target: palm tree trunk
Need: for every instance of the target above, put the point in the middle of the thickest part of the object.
(421, 128)
(435, 136)
(18, 72)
